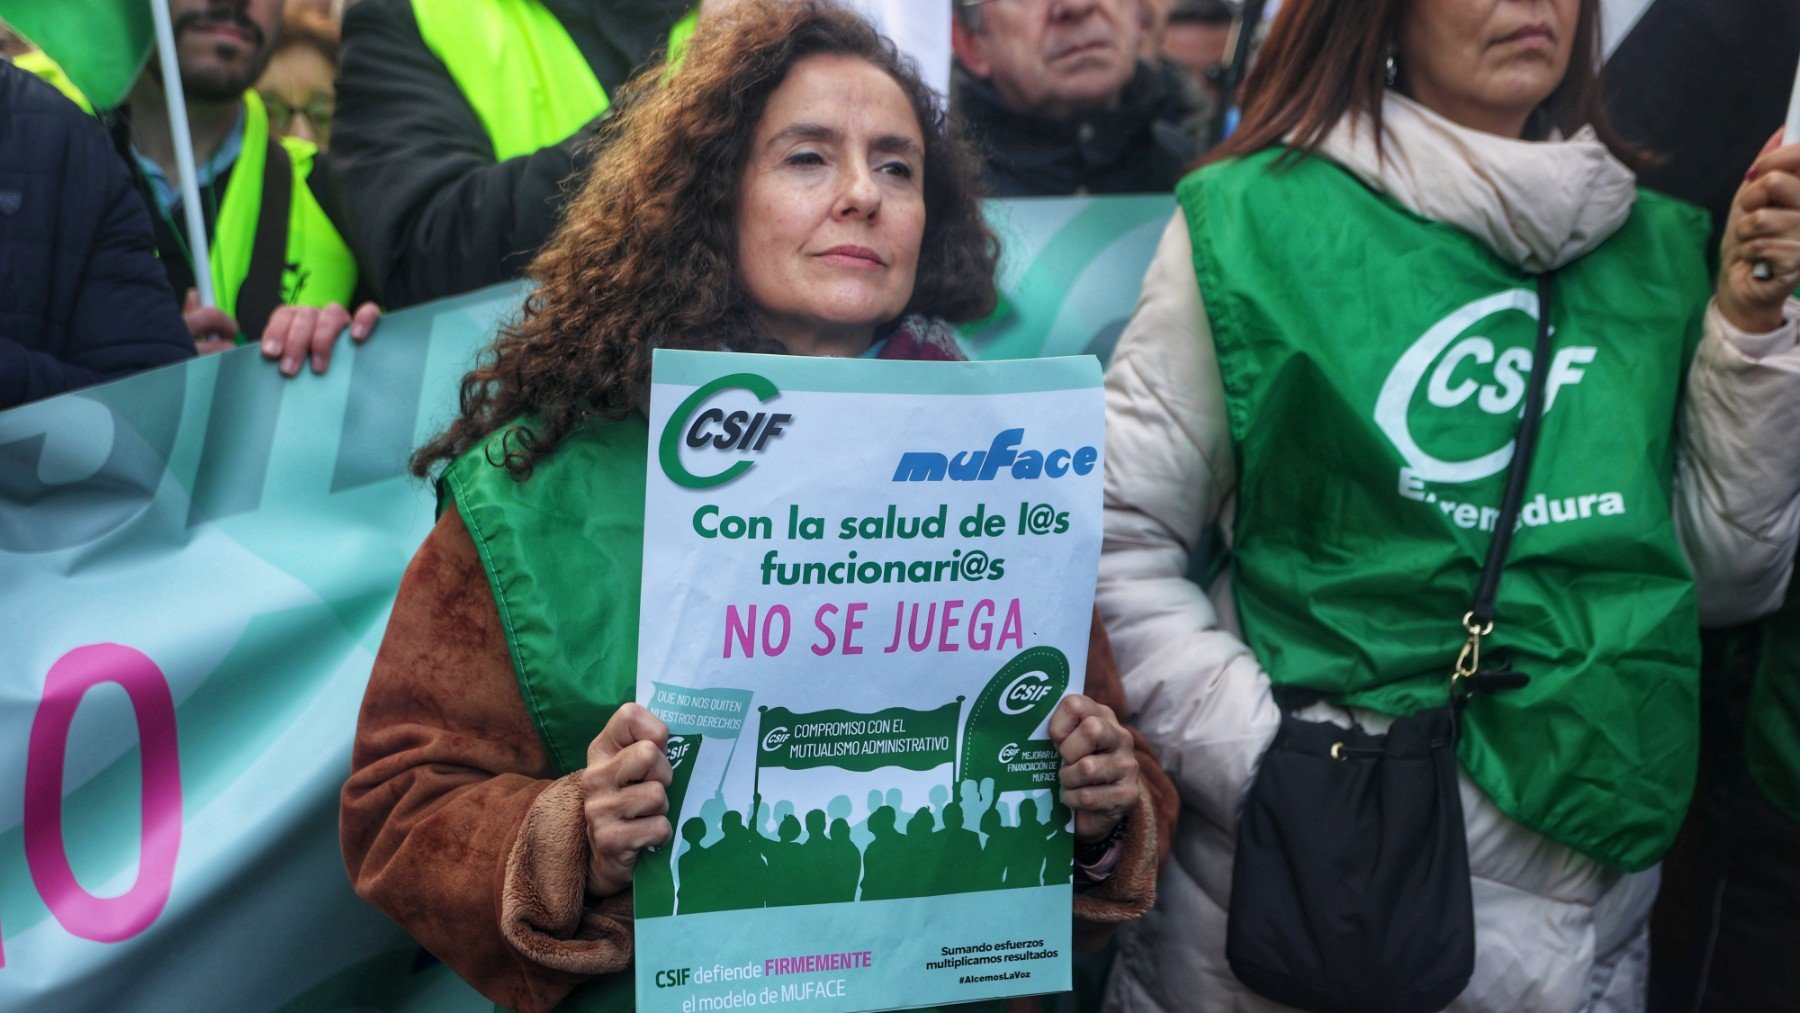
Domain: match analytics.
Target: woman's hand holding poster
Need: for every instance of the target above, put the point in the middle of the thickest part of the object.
(867, 584)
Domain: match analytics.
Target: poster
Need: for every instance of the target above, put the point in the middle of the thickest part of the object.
(874, 582)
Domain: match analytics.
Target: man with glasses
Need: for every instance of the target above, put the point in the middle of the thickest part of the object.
(281, 273)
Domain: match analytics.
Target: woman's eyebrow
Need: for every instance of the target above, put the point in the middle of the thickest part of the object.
(805, 132)
(898, 144)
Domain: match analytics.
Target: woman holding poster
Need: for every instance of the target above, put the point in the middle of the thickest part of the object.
(1422, 227)
(792, 188)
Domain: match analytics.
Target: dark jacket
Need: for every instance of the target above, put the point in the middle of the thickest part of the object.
(1142, 145)
(431, 211)
(82, 297)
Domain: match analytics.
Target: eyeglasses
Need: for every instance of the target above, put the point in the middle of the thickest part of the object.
(317, 112)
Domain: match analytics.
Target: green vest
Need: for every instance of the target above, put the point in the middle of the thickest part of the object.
(1772, 726)
(517, 67)
(563, 552)
(319, 268)
(1373, 365)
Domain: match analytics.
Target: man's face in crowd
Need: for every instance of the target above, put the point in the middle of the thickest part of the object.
(297, 88)
(223, 45)
(1058, 58)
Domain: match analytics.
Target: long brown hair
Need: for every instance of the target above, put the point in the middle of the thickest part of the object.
(644, 257)
(1325, 59)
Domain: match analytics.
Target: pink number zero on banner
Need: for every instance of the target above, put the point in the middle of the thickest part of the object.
(104, 919)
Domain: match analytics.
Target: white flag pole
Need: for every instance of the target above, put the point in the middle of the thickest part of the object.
(184, 151)
(1793, 120)
(1763, 270)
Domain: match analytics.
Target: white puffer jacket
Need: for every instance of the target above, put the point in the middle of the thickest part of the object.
(1554, 930)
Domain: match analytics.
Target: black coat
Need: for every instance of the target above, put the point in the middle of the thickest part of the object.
(1142, 145)
(82, 297)
(431, 211)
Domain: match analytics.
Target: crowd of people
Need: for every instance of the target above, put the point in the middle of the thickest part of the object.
(723, 863)
(381, 153)
(1477, 431)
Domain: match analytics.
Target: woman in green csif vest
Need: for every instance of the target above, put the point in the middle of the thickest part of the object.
(1328, 361)
(794, 188)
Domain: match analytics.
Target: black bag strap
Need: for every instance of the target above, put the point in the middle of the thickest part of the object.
(1524, 448)
(1480, 619)
(261, 291)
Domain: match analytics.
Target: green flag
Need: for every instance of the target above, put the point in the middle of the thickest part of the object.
(1015, 703)
(101, 45)
(683, 752)
(719, 713)
(653, 877)
(895, 737)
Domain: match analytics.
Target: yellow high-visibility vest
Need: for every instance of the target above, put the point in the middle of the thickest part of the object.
(519, 70)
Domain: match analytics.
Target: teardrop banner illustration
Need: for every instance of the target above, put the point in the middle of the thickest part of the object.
(1016, 702)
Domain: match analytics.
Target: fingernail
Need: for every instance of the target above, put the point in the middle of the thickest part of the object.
(270, 348)
(289, 367)
(358, 331)
(318, 364)
(1753, 173)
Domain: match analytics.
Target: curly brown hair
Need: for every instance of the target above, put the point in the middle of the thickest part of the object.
(644, 257)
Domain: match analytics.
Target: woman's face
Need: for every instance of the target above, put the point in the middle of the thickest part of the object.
(1486, 64)
(832, 206)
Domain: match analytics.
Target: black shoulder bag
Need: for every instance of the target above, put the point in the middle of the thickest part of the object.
(1350, 889)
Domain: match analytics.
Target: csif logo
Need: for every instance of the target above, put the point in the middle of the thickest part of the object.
(1460, 371)
(775, 739)
(1024, 693)
(1009, 752)
(714, 429)
(678, 750)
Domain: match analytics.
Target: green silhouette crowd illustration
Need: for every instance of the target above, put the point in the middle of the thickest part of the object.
(722, 862)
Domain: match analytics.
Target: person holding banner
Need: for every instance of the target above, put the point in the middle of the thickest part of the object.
(280, 272)
(1423, 213)
(793, 188)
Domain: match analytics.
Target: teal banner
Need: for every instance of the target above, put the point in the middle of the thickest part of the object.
(196, 567)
